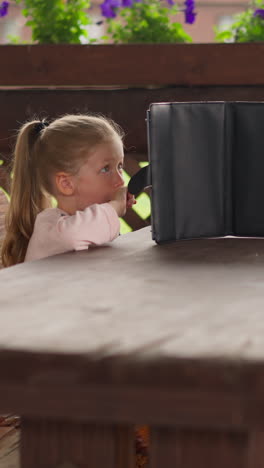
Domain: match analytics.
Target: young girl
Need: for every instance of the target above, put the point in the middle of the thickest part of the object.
(78, 160)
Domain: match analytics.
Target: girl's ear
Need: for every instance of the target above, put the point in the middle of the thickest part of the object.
(64, 183)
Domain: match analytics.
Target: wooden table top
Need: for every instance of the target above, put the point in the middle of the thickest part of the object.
(182, 322)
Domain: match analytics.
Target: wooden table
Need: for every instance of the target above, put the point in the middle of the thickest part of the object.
(96, 341)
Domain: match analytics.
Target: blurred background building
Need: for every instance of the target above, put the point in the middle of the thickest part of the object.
(210, 13)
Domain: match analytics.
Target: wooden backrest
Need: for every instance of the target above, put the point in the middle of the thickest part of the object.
(3, 210)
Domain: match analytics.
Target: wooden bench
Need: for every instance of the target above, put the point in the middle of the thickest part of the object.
(94, 342)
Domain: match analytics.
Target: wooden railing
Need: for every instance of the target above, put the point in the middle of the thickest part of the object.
(120, 82)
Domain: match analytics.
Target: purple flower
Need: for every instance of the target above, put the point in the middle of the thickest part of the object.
(127, 3)
(171, 2)
(4, 9)
(108, 8)
(189, 11)
(259, 12)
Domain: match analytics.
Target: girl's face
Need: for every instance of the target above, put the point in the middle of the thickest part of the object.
(101, 175)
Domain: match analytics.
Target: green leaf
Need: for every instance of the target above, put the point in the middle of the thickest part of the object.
(147, 22)
(245, 28)
(57, 21)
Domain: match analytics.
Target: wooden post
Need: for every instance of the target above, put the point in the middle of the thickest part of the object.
(51, 444)
(175, 448)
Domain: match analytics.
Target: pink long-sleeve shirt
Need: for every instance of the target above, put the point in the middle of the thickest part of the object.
(56, 232)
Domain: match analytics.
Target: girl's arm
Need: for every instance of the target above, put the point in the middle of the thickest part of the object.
(96, 225)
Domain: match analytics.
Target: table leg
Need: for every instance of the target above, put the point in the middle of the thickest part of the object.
(47, 444)
(256, 450)
(174, 448)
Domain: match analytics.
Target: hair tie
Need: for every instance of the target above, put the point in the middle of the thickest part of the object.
(40, 126)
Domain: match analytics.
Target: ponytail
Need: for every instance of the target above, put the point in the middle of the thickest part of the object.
(26, 198)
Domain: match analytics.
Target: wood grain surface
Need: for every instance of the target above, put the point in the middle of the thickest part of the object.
(198, 449)
(127, 107)
(137, 332)
(165, 64)
(65, 445)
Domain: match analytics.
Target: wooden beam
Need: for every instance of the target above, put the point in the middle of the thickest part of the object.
(132, 65)
(127, 107)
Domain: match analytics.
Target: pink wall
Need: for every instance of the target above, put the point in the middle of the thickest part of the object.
(209, 14)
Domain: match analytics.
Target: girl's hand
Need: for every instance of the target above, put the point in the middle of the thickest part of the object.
(119, 201)
(130, 200)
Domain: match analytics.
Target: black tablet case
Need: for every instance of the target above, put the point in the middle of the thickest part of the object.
(206, 169)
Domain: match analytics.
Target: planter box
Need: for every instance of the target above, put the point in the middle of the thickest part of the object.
(132, 65)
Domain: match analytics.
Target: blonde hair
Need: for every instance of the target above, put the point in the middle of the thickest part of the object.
(41, 151)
